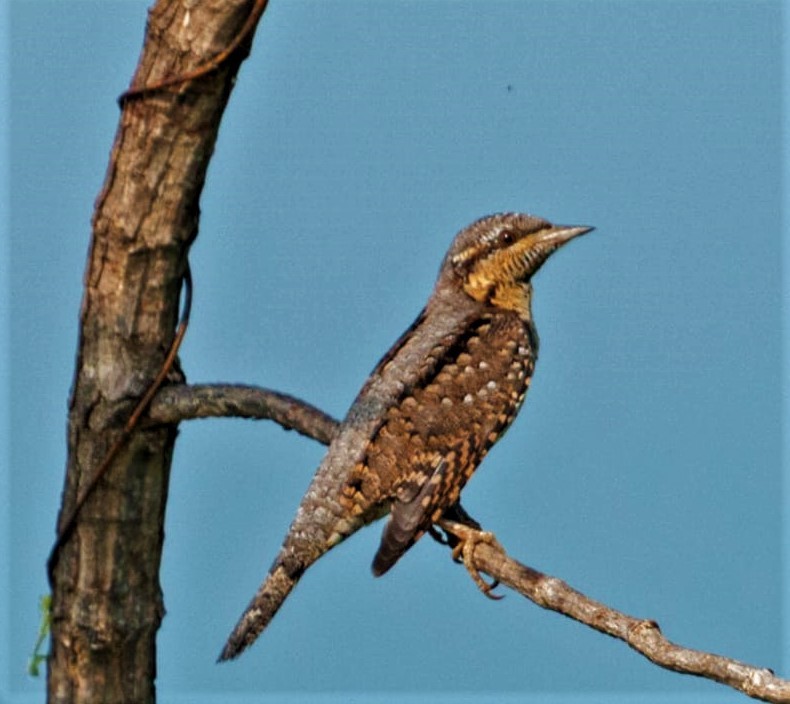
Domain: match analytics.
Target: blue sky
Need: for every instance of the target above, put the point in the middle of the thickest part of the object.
(646, 466)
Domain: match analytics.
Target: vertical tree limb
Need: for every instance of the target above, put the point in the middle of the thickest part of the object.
(107, 602)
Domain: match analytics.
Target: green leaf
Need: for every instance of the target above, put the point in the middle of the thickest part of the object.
(45, 609)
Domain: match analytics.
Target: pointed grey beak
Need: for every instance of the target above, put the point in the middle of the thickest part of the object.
(546, 241)
(560, 234)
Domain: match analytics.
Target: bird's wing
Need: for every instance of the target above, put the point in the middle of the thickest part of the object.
(410, 513)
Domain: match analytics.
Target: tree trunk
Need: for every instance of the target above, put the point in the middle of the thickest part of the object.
(107, 601)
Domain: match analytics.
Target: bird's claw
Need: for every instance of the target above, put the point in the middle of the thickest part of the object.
(463, 551)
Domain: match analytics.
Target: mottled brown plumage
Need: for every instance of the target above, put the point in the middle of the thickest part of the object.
(430, 411)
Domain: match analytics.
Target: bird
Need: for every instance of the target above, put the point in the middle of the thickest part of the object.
(427, 415)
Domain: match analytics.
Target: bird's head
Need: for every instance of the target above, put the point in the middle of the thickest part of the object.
(494, 259)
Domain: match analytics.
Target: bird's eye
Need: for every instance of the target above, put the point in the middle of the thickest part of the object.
(507, 237)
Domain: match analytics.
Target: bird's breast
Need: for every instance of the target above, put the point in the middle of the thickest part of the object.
(457, 411)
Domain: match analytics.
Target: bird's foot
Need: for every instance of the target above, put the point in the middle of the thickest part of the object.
(463, 551)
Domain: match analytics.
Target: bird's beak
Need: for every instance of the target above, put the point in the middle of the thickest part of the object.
(539, 245)
(560, 234)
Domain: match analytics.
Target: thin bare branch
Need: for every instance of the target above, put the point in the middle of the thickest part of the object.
(643, 635)
(184, 402)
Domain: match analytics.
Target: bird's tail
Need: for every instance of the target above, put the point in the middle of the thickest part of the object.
(264, 605)
(320, 523)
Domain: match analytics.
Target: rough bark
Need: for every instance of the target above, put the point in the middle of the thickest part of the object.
(107, 601)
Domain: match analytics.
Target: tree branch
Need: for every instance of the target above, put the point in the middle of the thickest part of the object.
(183, 402)
(643, 635)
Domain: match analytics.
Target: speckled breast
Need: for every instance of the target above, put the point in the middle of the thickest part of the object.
(456, 414)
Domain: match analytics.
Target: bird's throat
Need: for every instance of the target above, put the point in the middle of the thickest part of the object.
(508, 295)
(516, 297)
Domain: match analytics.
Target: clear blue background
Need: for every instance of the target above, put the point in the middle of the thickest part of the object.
(646, 466)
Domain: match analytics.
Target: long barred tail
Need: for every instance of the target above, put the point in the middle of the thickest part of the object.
(264, 605)
(321, 523)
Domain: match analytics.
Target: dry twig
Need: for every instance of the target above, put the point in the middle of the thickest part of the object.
(643, 635)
